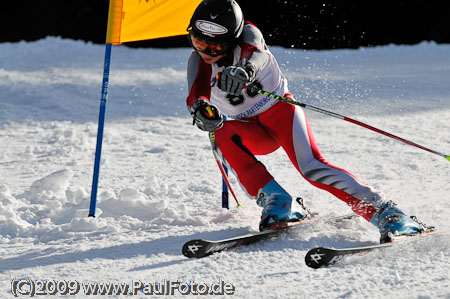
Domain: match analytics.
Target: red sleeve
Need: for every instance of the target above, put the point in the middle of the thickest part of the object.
(201, 86)
(247, 49)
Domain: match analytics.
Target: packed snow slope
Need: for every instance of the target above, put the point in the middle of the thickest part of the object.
(160, 187)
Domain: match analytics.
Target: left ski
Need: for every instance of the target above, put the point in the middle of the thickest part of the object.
(323, 257)
(199, 248)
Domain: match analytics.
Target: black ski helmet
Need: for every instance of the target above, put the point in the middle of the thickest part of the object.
(217, 22)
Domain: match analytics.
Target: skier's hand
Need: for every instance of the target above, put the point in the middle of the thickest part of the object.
(206, 116)
(234, 78)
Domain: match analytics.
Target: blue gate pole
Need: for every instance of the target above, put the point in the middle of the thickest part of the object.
(101, 124)
(225, 204)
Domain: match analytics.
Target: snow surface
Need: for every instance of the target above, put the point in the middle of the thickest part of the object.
(160, 187)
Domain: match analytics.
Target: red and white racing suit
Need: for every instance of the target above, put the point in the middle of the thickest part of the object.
(258, 125)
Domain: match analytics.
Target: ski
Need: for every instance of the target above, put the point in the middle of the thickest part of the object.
(323, 257)
(199, 248)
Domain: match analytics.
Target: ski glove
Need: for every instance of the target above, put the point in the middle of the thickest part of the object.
(206, 116)
(234, 78)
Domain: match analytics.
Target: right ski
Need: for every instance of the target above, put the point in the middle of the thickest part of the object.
(323, 257)
(199, 248)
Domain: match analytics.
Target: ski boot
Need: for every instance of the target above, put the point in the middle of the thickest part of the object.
(279, 207)
(394, 223)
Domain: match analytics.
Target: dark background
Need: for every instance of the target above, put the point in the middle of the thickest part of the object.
(308, 24)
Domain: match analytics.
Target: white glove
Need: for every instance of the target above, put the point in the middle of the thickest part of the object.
(206, 116)
(234, 78)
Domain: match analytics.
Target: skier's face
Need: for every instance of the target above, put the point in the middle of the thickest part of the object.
(210, 53)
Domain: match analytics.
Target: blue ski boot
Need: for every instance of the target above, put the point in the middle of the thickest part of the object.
(393, 223)
(278, 206)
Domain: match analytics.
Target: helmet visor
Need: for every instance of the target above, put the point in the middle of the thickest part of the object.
(212, 50)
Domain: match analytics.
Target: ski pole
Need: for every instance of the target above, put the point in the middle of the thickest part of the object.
(253, 88)
(212, 138)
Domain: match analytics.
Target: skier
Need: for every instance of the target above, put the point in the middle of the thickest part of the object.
(230, 54)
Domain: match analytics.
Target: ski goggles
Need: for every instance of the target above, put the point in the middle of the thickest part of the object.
(212, 50)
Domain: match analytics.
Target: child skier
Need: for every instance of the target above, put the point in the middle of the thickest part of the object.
(230, 54)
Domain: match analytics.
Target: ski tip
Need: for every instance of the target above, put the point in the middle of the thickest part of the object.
(316, 258)
(448, 158)
(194, 249)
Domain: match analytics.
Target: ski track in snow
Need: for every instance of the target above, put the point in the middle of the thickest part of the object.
(159, 185)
